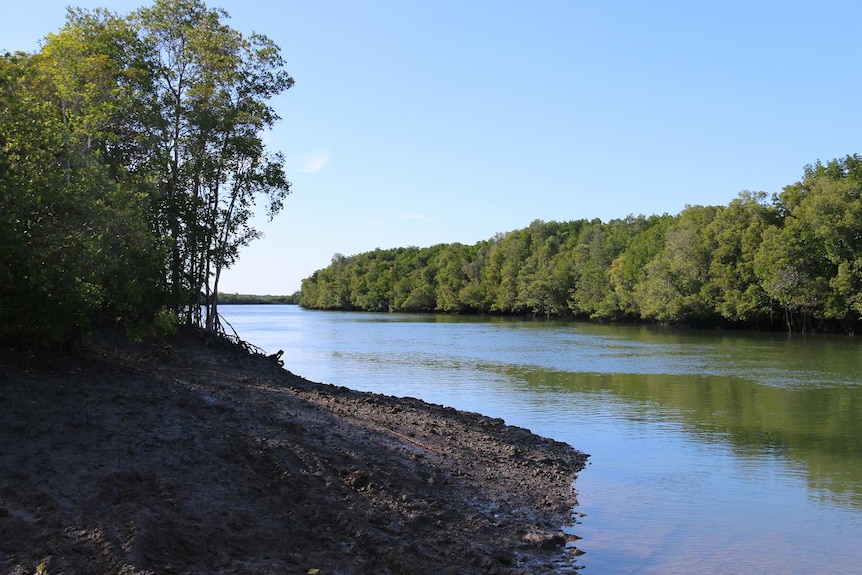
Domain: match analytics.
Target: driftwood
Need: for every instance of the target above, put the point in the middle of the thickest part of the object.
(276, 357)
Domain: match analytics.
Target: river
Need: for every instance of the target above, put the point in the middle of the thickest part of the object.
(711, 451)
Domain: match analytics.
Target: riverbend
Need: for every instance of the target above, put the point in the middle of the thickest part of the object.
(711, 452)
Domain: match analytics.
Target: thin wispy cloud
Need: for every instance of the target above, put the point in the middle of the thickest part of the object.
(312, 163)
(417, 217)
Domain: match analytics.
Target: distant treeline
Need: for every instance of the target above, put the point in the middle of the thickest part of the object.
(242, 299)
(792, 261)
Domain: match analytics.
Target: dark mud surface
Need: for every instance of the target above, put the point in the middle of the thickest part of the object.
(193, 456)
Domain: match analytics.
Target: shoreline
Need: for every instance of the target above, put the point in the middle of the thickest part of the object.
(192, 456)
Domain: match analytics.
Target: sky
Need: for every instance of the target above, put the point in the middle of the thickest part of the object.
(414, 123)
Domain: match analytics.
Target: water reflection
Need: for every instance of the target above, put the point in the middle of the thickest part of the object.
(814, 428)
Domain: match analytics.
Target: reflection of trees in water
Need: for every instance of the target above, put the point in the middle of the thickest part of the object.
(813, 429)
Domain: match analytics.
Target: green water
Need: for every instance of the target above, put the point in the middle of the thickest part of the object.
(711, 452)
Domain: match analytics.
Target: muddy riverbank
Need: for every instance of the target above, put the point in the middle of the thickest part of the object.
(193, 456)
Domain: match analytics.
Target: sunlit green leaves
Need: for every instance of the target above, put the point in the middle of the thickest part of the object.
(795, 263)
(131, 155)
(212, 87)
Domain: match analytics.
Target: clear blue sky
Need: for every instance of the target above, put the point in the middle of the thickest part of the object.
(420, 122)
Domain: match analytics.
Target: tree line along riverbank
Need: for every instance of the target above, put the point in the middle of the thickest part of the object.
(790, 261)
(132, 157)
(127, 186)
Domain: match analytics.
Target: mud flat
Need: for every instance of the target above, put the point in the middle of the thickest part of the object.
(194, 456)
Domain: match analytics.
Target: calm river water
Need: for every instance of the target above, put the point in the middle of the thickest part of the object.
(711, 452)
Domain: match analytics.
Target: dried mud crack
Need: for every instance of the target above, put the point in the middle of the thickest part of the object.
(196, 457)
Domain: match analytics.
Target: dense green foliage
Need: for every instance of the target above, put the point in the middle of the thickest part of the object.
(131, 154)
(794, 263)
(245, 299)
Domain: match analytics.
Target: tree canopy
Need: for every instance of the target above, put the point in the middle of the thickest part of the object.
(792, 261)
(131, 158)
